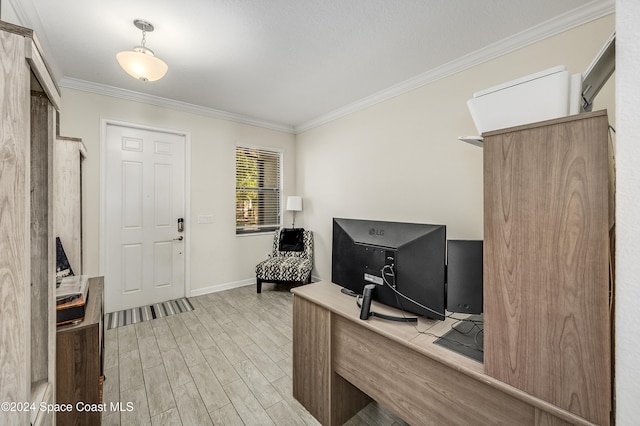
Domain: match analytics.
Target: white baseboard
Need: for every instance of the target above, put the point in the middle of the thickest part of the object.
(228, 286)
(221, 287)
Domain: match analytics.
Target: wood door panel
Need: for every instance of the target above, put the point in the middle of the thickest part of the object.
(546, 262)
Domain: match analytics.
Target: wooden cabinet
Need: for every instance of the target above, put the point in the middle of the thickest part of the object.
(80, 360)
(28, 103)
(69, 155)
(546, 262)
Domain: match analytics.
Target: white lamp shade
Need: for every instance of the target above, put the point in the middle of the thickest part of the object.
(140, 63)
(294, 203)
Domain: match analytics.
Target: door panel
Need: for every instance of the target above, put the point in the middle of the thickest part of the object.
(145, 184)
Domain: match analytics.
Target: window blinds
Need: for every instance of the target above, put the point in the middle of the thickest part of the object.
(258, 187)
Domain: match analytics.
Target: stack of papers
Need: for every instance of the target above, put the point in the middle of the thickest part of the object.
(71, 288)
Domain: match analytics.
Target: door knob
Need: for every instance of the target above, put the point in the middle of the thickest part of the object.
(180, 238)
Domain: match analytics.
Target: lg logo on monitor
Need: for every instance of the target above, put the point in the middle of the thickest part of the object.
(374, 231)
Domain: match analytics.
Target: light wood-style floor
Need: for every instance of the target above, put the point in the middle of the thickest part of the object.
(228, 362)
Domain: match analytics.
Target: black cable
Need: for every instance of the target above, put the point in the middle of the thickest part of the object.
(384, 279)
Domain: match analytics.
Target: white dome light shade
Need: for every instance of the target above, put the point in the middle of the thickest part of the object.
(140, 63)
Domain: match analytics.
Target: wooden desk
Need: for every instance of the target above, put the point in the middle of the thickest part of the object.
(340, 362)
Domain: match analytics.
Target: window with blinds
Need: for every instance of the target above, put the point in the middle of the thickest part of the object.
(258, 187)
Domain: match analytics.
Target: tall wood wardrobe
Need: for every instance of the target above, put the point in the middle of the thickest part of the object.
(28, 103)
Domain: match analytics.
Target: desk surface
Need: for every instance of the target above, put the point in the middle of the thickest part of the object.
(418, 338)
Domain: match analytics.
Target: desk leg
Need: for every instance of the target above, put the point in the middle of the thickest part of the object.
(328, 397)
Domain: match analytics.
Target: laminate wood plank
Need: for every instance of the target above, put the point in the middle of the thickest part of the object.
(200, 334)
(112, 419)
(230, 349)
(189, 319)
(261, 360)
(149, 352)
(284, 386)
(130, 369)
(159, 322)
(220, 365)
(210, 389)
(223, 310)
(176, 368)
(110, 388)
(144, 330)
(217, 373)
(139, 414)
(283, 415)
(127, 339)
(176, 325)
(158, 389)
(209, 323)
(286, 365)
(259, 338)
(246, 405)
(110, 348)
(237, 334)
(190, 406)
(190, 351)
(273, 332)
(164, 336)
(171, 417)
(375, 413)
(226, 416)
(264, 392)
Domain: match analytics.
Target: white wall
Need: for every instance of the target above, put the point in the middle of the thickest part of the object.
(217, 256)
(400, 160)
(628, 212)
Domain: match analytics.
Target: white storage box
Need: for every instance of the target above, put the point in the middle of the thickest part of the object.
(541, 96)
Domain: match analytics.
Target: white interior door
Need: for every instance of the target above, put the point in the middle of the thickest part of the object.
(144, 259)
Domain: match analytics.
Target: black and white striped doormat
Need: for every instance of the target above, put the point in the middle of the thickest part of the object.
(146, 313)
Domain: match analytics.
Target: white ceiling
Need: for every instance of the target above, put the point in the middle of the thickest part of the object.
(286, 63)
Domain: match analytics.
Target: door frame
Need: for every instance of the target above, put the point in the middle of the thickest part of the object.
(187, 191)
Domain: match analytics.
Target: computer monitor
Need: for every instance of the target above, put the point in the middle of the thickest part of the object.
(464, 276)
(406, 262)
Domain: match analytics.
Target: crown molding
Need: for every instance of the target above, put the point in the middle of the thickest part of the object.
(586, 13)
(131, 95)
(589, 12)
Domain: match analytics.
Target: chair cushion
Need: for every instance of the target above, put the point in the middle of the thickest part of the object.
(284, 269)
(307, 241)
(291, 239)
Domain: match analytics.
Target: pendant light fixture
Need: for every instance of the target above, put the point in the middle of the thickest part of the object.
(140, 62)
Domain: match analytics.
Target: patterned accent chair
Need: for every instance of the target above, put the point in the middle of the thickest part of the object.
(290, 261)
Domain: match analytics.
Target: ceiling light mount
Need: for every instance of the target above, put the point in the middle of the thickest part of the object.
(143, 26)
(141, 62)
